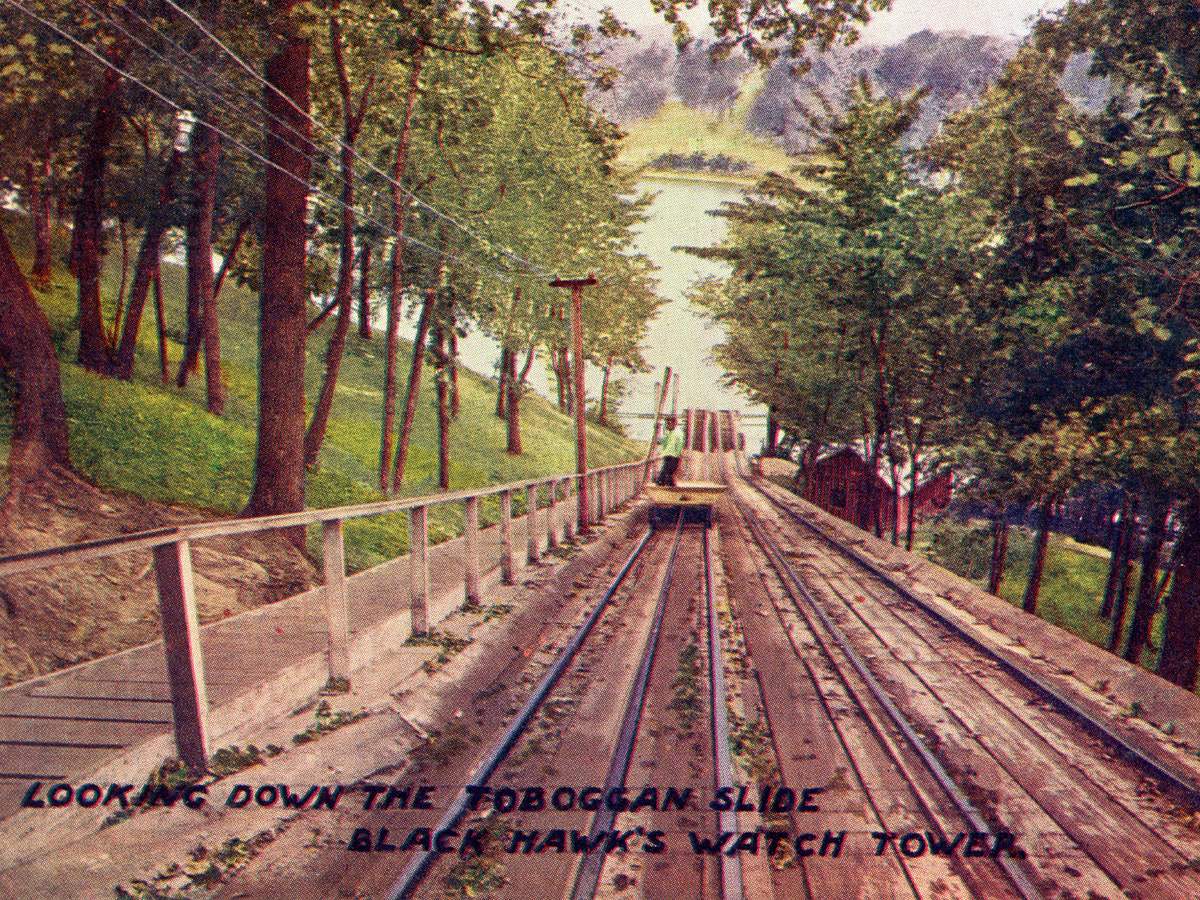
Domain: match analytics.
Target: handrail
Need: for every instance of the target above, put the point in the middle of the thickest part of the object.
(86, 551)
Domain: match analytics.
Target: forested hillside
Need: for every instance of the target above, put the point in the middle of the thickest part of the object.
(732, 96)
(1027, 317)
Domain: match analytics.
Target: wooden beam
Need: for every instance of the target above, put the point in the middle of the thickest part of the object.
(658, 410)
(471, 551)
(551, 507)
(577, 285)
(568, 523)
(507, 569)
(181, 643)
(531, 535)
(337, 617)
(418, 568)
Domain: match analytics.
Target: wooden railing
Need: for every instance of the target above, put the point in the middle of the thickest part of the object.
(607, 488)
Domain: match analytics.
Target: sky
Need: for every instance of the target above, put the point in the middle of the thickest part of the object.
(998, 17)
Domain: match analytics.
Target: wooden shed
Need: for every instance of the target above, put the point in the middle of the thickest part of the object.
(838, 483)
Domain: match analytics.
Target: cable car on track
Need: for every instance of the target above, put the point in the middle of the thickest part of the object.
(692, 499)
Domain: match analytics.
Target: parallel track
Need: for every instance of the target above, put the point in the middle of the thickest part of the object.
(1120, 804)
(800, 593)
(1178, 781)
(587, 876)
(419, 864)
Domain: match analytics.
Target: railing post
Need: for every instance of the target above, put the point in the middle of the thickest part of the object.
(471, 550)
(531, 535)
(418, 568)
(601, 497)
(568, 521)
(333, 557)
(507, 574)
(551, 507)
(181, 643)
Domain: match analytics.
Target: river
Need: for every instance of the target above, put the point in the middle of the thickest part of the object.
(680, 336)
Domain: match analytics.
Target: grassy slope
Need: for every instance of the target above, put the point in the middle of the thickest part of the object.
(678, 129)
(1072, 581)
(159, 442)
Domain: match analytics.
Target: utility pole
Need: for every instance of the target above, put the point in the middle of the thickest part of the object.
(658, 411)
(577, 285)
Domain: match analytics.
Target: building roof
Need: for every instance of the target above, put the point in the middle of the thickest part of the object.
(903, 472)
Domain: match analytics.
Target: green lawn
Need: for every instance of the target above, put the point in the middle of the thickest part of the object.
(159, 442)
(677, 128)
(1072, 580)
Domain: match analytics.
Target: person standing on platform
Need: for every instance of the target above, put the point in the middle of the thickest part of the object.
(671, 449)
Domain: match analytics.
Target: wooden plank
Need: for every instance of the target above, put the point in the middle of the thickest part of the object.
(551, 514)
(568, 523)
(507, 569)
(333, 554)
(1107, 830)
(181, 645)
(531, 535)
(418, 568)
(662, 399)
(1057, 817)
(471, 550)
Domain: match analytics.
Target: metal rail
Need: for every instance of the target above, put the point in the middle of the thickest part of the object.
(731, 866)
(1020, 880)
(418, 865)
(1175, 779)
(588, 877)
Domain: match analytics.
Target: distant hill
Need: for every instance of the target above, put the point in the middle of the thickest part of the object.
(731, 107)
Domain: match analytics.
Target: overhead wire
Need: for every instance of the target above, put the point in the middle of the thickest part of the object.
(199, 25)
(331, 155)
(317, 192)
(224, 99)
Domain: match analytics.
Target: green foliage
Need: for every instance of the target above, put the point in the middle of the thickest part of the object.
(125, 436)
(961, 549)
(228, 760)
(325, 720)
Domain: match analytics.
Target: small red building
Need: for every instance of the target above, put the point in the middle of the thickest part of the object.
(838, 483)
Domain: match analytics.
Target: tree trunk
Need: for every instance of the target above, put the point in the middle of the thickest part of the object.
(364, 293)
(230, 256)
(443, 406)
(560, 377)
(344, 292)
(414, 387)
(396, 288)
(1038, 562)
(1000, 530)
(895, 496)
(603, 419)
(1116, 545)
(160, 317)
(206, 153)
(1147, 599)
(87, 239)
(279, 465)
(515, 387)
(39, 420)
(1181, 633)
(911, 512)
(123, 285)
(772, 433)
(147, 267)
(36, 174)
(452, 364)
(1121, 588)
(502, 384)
